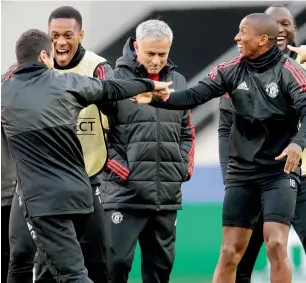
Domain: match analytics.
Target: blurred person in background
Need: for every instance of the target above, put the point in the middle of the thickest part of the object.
(150, 155)
(264, 165)
(65, 28)
(287, 31)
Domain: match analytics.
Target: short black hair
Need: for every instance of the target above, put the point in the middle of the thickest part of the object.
(66, 12)
(31, 43)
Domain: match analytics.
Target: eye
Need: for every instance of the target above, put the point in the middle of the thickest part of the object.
(55, 36)
(68, 36)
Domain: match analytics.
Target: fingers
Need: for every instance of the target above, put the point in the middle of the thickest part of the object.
(281, 156)
(144, 98)
(292, 48)
(292, 162)
(161, 85)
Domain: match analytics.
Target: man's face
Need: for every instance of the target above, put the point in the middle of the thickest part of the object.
(153, 54)
(66, 35)
(248, 39)
(287, 29)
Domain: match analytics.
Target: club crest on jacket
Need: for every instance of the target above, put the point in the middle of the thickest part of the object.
(272, 89)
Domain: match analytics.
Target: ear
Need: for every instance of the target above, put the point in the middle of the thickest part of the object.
(81, 36)
(263, 40)
(294, 29)
(136, 46)
(43, 56)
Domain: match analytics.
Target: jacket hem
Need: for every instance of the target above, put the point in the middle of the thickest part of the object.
(111, 206)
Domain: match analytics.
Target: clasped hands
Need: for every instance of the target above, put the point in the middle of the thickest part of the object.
(161, 90)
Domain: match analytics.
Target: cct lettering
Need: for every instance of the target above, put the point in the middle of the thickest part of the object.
(85, 127)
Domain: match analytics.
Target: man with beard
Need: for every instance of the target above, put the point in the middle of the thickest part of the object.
(151, 154)
(268, 92)
(65, 28)
(287, 30)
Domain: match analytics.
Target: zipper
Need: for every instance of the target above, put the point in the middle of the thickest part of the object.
(158, 157)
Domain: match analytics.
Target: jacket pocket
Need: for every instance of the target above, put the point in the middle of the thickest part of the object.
(118, 169)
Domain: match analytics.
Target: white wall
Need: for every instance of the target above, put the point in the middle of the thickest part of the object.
(103, 20)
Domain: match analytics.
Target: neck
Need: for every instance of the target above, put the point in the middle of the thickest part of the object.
(260, 52)
(264, 59)
(76, 59)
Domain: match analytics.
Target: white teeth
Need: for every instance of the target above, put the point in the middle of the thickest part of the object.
(281, 38)
(62, 50)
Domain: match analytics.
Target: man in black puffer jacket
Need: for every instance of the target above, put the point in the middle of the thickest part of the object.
(150, 154)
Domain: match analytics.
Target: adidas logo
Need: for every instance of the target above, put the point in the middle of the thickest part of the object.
(243, 86)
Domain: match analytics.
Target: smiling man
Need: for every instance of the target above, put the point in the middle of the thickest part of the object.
(151, 154)
(268, 92)
(287, 31)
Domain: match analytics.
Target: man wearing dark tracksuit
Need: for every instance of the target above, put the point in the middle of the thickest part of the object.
(246, 265)
(150, 155)
(8, 183)
(92, 127)
(268, 92)
(39, 111)
(16, 239)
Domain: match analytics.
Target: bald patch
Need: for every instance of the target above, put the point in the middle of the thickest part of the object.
(264, 24)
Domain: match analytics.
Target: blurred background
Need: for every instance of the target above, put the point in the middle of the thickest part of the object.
(203, 37)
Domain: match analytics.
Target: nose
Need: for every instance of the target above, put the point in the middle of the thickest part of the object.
(156, 60)
(237, 37)
(61, 40)
(280, 28)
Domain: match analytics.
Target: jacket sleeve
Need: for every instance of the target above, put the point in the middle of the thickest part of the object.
(92, 91)
(214, 85)
(187, 143)
(104, 71)
(295, 80)
(117, 164)
(224, 129)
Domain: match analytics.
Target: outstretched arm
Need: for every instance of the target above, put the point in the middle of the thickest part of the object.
(218, 82)
(90, 90)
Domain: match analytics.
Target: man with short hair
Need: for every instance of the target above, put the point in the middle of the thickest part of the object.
(151, 153)
(287, 30)
(39, 110)
(268, 92)
(65, 28)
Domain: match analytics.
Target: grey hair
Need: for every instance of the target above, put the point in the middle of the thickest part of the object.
(156, 29)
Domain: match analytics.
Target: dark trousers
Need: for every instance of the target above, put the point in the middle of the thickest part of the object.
(5, 247)
(92, 242)
(56, 238)
(247, 263)
(22, 247)
(156, 233)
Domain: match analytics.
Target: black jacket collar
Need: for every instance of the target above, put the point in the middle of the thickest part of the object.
(78, 56)
(30, 69)
(265, 61)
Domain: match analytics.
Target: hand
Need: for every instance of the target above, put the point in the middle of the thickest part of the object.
(162, 94)
(161, 85)
(301, 51)
(143, 98)
(293, 153)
